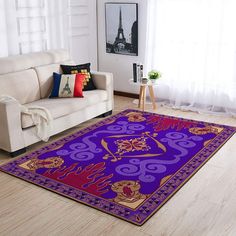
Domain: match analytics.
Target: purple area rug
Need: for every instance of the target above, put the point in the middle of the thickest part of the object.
(127, 165)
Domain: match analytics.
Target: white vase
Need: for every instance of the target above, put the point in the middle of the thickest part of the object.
(154, 81)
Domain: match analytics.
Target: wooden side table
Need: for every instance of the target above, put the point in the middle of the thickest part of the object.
(142, 96)
(142, 93)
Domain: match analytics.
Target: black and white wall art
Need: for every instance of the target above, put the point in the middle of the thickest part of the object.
(122, 28)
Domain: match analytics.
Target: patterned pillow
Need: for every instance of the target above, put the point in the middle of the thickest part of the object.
(67, 86)
(84, 69)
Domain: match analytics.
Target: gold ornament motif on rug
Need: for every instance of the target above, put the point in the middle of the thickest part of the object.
(131, 145)
(128, 193)
(205, 130)
(35, 163)
(135, 117)
(135, 143)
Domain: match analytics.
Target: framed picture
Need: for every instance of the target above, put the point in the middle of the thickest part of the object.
(122, 28)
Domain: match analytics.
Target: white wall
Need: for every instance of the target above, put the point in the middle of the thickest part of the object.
(121, 65)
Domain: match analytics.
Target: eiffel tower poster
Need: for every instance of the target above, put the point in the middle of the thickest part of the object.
(122, 28)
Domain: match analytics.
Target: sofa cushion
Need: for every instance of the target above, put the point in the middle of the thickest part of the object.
(45, 77)
(67, 86)
(22, 85)
(59, 107)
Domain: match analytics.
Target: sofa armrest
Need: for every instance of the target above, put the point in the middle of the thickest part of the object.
(11, 138)
(104, 80)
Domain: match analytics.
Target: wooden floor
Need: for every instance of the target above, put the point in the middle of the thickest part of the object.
(206, 205)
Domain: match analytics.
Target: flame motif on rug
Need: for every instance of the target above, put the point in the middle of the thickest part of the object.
(91, 178)
(126, 165)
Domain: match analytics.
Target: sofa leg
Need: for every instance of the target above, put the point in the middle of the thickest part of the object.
(18, 152)
(107, 113)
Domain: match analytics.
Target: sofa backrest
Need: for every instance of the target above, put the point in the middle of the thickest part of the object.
(19, 77)
(22, 85)
(27, 61)
(45, 76)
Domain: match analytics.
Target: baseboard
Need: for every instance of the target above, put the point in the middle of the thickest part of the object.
(124, 94)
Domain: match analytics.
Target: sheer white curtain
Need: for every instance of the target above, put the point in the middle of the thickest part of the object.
(58, 28)
(8, 28)
(33, 25)
(193, 44)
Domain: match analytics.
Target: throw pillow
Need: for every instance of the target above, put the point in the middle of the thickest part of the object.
(67, 86)
(84, 69)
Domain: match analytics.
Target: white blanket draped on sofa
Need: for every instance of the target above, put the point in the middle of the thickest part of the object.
(41, 117)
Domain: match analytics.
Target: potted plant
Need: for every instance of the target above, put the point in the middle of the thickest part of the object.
(154, 75)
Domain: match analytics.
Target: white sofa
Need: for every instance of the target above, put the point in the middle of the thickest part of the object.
(28, 78)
